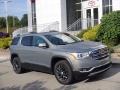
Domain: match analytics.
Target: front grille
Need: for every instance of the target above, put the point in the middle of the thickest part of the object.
(100, 54)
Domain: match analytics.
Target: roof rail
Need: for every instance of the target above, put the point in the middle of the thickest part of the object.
(53, 31)
(33, 32)
(18, 35)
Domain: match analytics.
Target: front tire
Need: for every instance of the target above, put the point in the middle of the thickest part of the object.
(63, 72)
(17, 66)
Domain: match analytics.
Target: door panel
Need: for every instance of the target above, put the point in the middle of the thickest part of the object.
(41, 55)
(25, 53)
(25, 49)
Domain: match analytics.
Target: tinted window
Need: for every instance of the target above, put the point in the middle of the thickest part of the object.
(62, 39)
(15, 41)
(27, 41)
(37, 40)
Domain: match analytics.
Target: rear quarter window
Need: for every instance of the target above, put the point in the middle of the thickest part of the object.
(15, 41)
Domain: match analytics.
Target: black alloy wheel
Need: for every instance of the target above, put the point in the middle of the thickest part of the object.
(17, 65)
(63, 72)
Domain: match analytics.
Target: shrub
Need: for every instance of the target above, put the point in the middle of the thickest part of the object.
(2, 35)
(109, 31)
(91, 34)
(80, 34)
(5, 42)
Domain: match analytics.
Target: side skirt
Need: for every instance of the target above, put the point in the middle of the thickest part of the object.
(36, 67)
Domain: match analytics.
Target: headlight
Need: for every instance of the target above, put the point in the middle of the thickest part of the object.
(79, 55)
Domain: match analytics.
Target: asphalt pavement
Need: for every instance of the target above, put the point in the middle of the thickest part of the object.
(34, 80)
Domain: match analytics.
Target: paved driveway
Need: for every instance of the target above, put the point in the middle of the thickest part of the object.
(41, 81)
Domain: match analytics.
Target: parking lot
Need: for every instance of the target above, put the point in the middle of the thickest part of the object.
(40, 81)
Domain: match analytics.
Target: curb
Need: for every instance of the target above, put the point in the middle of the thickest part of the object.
(115, 61)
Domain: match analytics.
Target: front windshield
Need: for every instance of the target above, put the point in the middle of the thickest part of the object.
(62, 39)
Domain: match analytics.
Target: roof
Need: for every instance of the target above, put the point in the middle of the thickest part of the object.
(42, 33)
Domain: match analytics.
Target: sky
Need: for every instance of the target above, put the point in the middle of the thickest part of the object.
(15, 8)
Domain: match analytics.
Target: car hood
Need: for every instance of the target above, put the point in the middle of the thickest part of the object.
(85, 46)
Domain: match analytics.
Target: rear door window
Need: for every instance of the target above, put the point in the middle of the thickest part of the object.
(27, 41)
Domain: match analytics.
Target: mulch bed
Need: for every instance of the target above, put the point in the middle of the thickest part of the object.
(4, 53)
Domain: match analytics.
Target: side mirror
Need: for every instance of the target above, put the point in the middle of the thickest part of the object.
(42, 45)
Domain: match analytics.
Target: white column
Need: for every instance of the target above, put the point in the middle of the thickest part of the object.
(29, 15)
(84, 20)
(100, 10)
(63, 22)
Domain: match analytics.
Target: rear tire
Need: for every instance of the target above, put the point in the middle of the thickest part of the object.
(63, 72)
(17, 66)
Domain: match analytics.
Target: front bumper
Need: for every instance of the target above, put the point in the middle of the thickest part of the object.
(100, 69)
(95, 70)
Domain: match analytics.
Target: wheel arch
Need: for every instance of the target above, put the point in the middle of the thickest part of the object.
(13, 56)
(56, 59)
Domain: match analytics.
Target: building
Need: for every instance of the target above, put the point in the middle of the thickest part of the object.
(67, 14)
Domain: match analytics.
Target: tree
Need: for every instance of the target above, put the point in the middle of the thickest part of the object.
(10, 21)
(17, 22)
(2, 22)
(24, 20)
(13, 21)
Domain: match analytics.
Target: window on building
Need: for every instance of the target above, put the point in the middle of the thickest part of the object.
(78, 8)
(89, 23)
(77, 1)
(95, 16)
(74, 11)
(107, 6)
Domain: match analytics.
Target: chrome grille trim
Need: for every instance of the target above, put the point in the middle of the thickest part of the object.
(100, 54)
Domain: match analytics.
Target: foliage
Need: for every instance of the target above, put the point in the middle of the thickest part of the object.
(3, 35)
(91, 33)
(5, 42)
(24, 20)
(2, 22)
(80, 34)
(13, 23)
(109, 31)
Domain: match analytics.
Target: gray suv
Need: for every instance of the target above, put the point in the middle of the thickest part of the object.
(60, 54)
